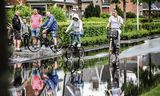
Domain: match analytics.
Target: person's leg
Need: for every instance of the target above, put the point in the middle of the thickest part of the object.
(54, 37)
(119, 38)
(15, 39)
(79, 39)
(37, 35)
(15, 44)
(25, 41)
(18, 45)
(33, 36)
(18, 41)
(72, 38)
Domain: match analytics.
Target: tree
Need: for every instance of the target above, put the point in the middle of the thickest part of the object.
(92, 11)
(58, 13)
(124, 10)
(116, 2)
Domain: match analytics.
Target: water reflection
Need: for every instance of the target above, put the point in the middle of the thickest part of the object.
(61, 77)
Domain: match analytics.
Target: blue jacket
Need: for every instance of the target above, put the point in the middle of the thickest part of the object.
(51, 23)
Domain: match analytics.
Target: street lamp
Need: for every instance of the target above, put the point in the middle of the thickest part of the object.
(137, 15)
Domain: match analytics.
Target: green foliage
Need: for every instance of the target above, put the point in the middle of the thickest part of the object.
(58, 13)
(130, 15)
(119, 11)
(25, 12)
(92, 11)
(89, 11)
(10, 14)
(105, 15)
(97, 11)
(115, 1)
(130, 89)
(93, 19)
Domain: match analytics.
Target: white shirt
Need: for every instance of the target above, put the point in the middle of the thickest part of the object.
(116, 91)
(115, 22)
(76, 25)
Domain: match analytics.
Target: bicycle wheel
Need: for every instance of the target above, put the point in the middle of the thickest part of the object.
(80, 52)
(69, 52)
(70, 66)
(34, 47)
(81, 64)
(58, 46)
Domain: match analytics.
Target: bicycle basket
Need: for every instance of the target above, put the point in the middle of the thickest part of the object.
(112, 34)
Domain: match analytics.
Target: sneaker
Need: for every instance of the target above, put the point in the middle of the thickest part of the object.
(19, 50)
(79, 45)
(73, 43)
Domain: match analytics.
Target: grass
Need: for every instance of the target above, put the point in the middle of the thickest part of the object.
(154, 92)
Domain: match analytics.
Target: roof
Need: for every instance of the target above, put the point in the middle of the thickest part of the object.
(154, 6)
(52, 1)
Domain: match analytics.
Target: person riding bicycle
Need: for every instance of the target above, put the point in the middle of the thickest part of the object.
(77, 26)
(115, 23)
(50, 25)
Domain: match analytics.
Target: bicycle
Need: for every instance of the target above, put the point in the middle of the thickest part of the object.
(73, 66)
(48, 41)
(74, 51)
(113, 53)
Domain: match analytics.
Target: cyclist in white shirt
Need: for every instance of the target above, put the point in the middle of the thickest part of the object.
(115, 23)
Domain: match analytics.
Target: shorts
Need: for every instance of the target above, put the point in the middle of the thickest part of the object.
(17, 34)
(35, 32)
(54, 33)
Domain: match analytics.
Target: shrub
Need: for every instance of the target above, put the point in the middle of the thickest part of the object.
(58, 13)
(97, 11)
(10, 14)
(92, 11)
(105, 15)
(130, 15)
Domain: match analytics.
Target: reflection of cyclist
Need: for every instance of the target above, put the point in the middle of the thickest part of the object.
(76, 24)
(115, 23)
(51, 80)
(50, 26)
(76, 83)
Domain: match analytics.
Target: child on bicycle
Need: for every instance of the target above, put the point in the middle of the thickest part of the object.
(77, 27)
(25, 32)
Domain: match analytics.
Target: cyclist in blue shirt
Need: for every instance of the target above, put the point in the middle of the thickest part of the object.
(50, 25)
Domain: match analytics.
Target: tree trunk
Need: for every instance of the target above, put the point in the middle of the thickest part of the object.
(150, 67)
(124, 10)
(149, 5)
(3, 51)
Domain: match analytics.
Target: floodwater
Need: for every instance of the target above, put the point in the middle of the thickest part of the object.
(61, 77)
